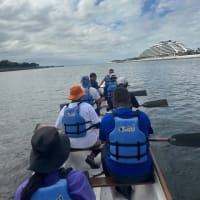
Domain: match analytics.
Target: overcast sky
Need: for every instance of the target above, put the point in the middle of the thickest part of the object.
(65, 32)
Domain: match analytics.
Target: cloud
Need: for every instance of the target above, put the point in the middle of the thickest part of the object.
(92, 31)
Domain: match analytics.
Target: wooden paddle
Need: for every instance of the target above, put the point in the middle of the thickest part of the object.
(186, 139)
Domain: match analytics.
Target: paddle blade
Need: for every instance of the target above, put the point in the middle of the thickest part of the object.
(63, 104)
(189, 140)
(138, 93)
(156, 103)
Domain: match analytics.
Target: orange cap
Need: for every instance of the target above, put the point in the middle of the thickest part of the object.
(76, 92)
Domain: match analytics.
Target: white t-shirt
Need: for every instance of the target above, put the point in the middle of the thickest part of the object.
(89, 114)
(95, 94)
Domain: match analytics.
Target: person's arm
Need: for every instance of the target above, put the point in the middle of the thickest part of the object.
(106, 126)
(93, 117)
(134, 101)
(79, 186)
(58, 123)
(97, 125)
(94, 92)
(102, 81)
(144, 123)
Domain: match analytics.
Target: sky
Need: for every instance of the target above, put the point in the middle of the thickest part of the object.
(73, 32)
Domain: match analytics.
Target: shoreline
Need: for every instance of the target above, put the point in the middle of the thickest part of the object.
(25, 68)
(159, 58)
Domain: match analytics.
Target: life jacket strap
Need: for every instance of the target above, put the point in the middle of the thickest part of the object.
(64, 172)
(126, 156)
(128, 144)
(77, 126)
(138, 145)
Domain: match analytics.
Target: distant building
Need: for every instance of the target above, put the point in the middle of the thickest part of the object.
(166, 48)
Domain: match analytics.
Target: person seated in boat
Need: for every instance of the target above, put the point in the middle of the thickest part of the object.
(92, 95)
(105, 81)
(80, 123)
(94, 83)
(112, 85)
(122, 82)
(49, 180)
(93, 80)
(125, 155)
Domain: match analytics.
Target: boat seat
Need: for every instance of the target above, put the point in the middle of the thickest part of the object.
(109, 181)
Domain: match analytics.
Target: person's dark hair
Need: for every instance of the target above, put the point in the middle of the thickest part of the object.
(111, 70)
(34, 183)
(93, 75)
(121, 96)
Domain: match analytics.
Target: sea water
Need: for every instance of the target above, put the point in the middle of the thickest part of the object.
(34, 96)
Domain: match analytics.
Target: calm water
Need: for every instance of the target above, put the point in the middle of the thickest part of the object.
(33, 96)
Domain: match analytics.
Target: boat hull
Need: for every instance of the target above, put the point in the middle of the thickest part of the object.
(156, 190)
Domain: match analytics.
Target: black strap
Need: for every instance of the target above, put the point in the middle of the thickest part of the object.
(64, 172)
(123, 156)
(138, 151)
(77, 124)
(138, 145)
(136, 113)
(78, 132)
(128, 144)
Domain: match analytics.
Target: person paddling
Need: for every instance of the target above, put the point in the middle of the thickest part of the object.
(92, 95)
(93, 80)
(125, 155)
(80, 123)
(105, 81)
(50, 180)
(111, 86)
(122, 82)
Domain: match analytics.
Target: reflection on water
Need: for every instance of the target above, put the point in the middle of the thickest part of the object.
(33, 96)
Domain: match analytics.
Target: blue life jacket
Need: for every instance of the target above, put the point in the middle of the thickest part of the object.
(111, 88)
(107, 80)
(127, 143)
(57, 191)
(74, 123)
(88, 97)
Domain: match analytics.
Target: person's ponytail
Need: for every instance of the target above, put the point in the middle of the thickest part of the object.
(35, 182)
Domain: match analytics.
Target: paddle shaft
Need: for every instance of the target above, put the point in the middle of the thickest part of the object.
(159, 139)
(137, 92)
(185, 139)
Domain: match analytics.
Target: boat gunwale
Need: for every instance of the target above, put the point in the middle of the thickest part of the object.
(161, 177)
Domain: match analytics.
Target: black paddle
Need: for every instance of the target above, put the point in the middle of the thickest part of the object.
(187, 140)
(150, 104)
(135, 93)
(138, 93)
(155, 103)
(63, 104)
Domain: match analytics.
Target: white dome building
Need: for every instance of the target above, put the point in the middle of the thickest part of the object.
(165, 48)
